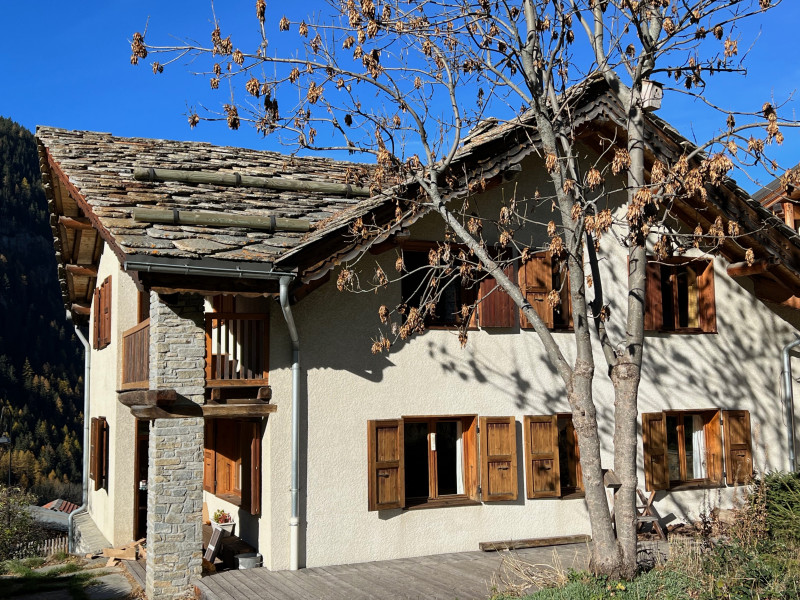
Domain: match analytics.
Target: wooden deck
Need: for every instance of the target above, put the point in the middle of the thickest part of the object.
(462, 576)
(136, 568)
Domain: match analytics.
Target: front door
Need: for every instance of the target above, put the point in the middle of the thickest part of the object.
(140, 481)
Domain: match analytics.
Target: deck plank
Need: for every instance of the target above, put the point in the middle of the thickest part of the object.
(442, 577)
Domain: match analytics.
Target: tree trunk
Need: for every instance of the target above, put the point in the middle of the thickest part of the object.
(625, 377)
(606, 556)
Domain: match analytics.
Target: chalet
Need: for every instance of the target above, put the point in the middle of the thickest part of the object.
(228, 371)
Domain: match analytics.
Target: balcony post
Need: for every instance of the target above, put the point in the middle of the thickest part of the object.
(175, 477)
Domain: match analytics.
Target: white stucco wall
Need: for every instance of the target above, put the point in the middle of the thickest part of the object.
(112, 508)
(500, 372)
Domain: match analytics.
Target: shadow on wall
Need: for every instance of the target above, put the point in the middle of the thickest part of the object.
(725, 370)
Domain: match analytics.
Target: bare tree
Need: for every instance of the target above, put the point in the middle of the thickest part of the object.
(404, 82)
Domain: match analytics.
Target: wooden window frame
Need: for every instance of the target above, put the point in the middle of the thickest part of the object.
(466, 294)
(655, 446)
(488, 476)
(662, 276)
(469, 466)
(102, 314)
(241, 460)
(98, 453)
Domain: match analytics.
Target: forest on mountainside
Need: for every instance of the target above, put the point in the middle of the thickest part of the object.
(41, 359)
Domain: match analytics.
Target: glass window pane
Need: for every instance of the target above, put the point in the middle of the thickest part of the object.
(448, 471)
(688, 433)
(416, 458)
(673, 452)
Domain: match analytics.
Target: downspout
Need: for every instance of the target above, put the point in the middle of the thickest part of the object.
(294, 520)
(788, 398)
(87, 372)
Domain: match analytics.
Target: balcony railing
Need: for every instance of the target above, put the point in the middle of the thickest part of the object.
(236, 349)
(136, 357)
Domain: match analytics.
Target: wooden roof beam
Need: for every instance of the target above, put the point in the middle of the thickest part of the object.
(82, 270)
(742, 269)
(75, 222)
(81, 309)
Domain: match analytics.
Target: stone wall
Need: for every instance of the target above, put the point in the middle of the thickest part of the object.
(175, 480)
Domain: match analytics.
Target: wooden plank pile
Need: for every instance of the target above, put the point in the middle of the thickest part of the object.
(133, 550)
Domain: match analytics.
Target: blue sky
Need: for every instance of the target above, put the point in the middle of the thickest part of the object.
(66, 64)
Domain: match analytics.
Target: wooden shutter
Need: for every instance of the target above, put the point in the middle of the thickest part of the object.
(386, 463)
(705, 288)
(653, 306)
(106, 293)
(496, 308)
(254, 435)
(713, 434)
(98, 454)
(535, 282)
(228, 453)
(542, 472)
(654, 435)
(93, 452)
(498, 458)
(738, 449)
(103, 446)
(565, 308)
(209, 458)
(96, 320)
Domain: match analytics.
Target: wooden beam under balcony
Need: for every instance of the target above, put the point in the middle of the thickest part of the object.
(166, 404)
(162, 398)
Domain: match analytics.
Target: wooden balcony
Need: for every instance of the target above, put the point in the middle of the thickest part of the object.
(236, 350)
(136, 357)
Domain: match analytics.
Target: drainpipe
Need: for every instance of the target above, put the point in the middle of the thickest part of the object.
(294, 520)
(788, 398)
(87, 372)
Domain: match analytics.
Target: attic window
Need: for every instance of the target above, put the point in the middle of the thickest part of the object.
(450, 295)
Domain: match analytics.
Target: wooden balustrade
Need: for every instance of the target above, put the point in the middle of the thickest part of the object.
(136, 357)
(236, 349)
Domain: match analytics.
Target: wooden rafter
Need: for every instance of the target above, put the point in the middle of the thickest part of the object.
(82, 270)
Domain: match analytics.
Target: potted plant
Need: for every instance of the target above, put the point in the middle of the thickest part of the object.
(222, 520)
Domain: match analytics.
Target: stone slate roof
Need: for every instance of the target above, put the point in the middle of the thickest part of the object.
(100, 167)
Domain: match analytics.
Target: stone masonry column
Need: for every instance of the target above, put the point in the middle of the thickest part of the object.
(175, 478)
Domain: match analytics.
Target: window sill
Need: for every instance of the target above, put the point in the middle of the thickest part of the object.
(232, 498)
(692, 485)
(573, 496)
(442, 502)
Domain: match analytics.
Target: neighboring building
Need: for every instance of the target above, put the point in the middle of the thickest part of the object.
(190, 341)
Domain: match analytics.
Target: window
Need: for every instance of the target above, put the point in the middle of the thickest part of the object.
(537, 278)
(450, 295)
(102, 314)
(98, 453)
(433, 461)
(680, 296)
(684, 448)
(496, 308)
(232, 462)
(552, 457)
